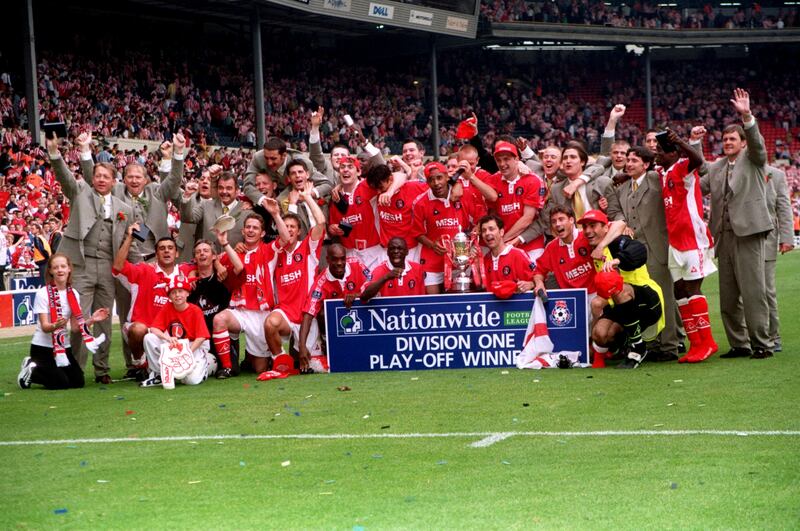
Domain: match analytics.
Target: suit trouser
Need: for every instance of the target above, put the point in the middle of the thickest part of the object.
(95, 284)
(123, 299)
(742, 290)
(774, 329)
(668, 338)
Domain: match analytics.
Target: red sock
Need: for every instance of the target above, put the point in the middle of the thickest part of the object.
(598, 355)
(699, 306)
(690, 325)
(222, 342)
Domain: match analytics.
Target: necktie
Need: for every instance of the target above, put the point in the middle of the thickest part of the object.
(577, 205)
(225, 210)
(635, 186)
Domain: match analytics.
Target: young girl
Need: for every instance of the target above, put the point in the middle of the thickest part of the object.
(51, 362)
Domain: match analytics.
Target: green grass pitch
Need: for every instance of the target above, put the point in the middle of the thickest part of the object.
(369, 473)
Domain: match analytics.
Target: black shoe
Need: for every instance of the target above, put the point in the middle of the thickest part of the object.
(138, 375)
(634, 360)
(104, 379)
(224, 373)
(659, 356)
(737, 352)
(681, 348)
(760, 354)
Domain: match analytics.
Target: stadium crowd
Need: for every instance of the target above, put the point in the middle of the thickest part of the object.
(638, 14)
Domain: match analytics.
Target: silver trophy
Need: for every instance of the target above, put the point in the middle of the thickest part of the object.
(462, 262)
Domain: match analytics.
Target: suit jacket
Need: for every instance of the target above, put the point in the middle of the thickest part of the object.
(780, 211)
(86, 207)
(258, 164)
(205, 213)
(643, 211)
(748, 204)
(323, 165)
(155, 196)
(188, 233)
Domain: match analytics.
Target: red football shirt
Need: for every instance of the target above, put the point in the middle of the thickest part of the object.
(511, 264)
(361, 215)
(683, 206)
(255, 291)
(294, 273)
(570, 263)
(513, 197)
(436, 218)
(411, 282)
(396, 219)
(356, 277)
(188, 324)
(148, 286)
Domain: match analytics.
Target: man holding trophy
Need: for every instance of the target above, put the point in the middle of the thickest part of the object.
(438, 223)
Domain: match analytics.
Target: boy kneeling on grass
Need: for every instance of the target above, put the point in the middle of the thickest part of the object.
(178, 322)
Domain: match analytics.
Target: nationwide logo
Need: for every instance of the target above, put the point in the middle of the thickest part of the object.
(350, 323)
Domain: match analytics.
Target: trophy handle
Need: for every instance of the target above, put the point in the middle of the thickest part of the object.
(447, 243)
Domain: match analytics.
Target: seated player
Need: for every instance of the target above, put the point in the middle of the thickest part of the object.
(635, 308)
(250, 302)
(436, 216)
(57, 305)
(690, 242)
(294, 268)
(396, 277)
(179, 320)
(344, 278)
(211, 288)
(147, 284)
(503, 261)
(568, 257)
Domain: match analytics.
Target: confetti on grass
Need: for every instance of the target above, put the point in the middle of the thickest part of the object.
(60, 511)
(286, 463)
(343, 388)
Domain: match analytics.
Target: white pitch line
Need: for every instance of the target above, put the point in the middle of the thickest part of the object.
(494, 436)
(491, 439)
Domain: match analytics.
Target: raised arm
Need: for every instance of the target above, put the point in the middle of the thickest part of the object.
(756, 150)
(170, 188)
(64, 177)
(611, 129)
(315, 144)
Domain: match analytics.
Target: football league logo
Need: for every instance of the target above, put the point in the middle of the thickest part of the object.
(560, 316)
(350, 323)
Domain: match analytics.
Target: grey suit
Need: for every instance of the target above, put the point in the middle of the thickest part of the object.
(258, 164)
(643, 212)
(780, 210)
(91, 274)
(205, 213)
(740, 224)
(188, 233)
(151, 207)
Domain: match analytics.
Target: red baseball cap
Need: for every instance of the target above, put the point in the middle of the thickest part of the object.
(505, 147)
(608, 283)
(466, 129)
(179, 282)
(593, 216)
(284, 363)
(352, 160)
(429, 167)
(503, 289)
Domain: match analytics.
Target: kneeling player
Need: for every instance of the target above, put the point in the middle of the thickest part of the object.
(179, 320)
(396, 277)
(635, 309)
(503, 261)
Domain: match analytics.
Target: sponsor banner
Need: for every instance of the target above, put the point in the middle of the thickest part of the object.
(457, 24)
(447, 331)
(338, 5)
(23, 308)
(424, 18)
(381, 10)
(19, 281)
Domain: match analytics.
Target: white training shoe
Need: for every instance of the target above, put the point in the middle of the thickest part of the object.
(25, 372)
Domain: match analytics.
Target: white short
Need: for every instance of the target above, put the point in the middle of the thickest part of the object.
(370, 257)
(690, 265)
(413, 253)
(433, 279)
(534, 255)
(252, 324)
(312, 341)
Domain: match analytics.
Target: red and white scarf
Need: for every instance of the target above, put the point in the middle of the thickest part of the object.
(59, 335)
